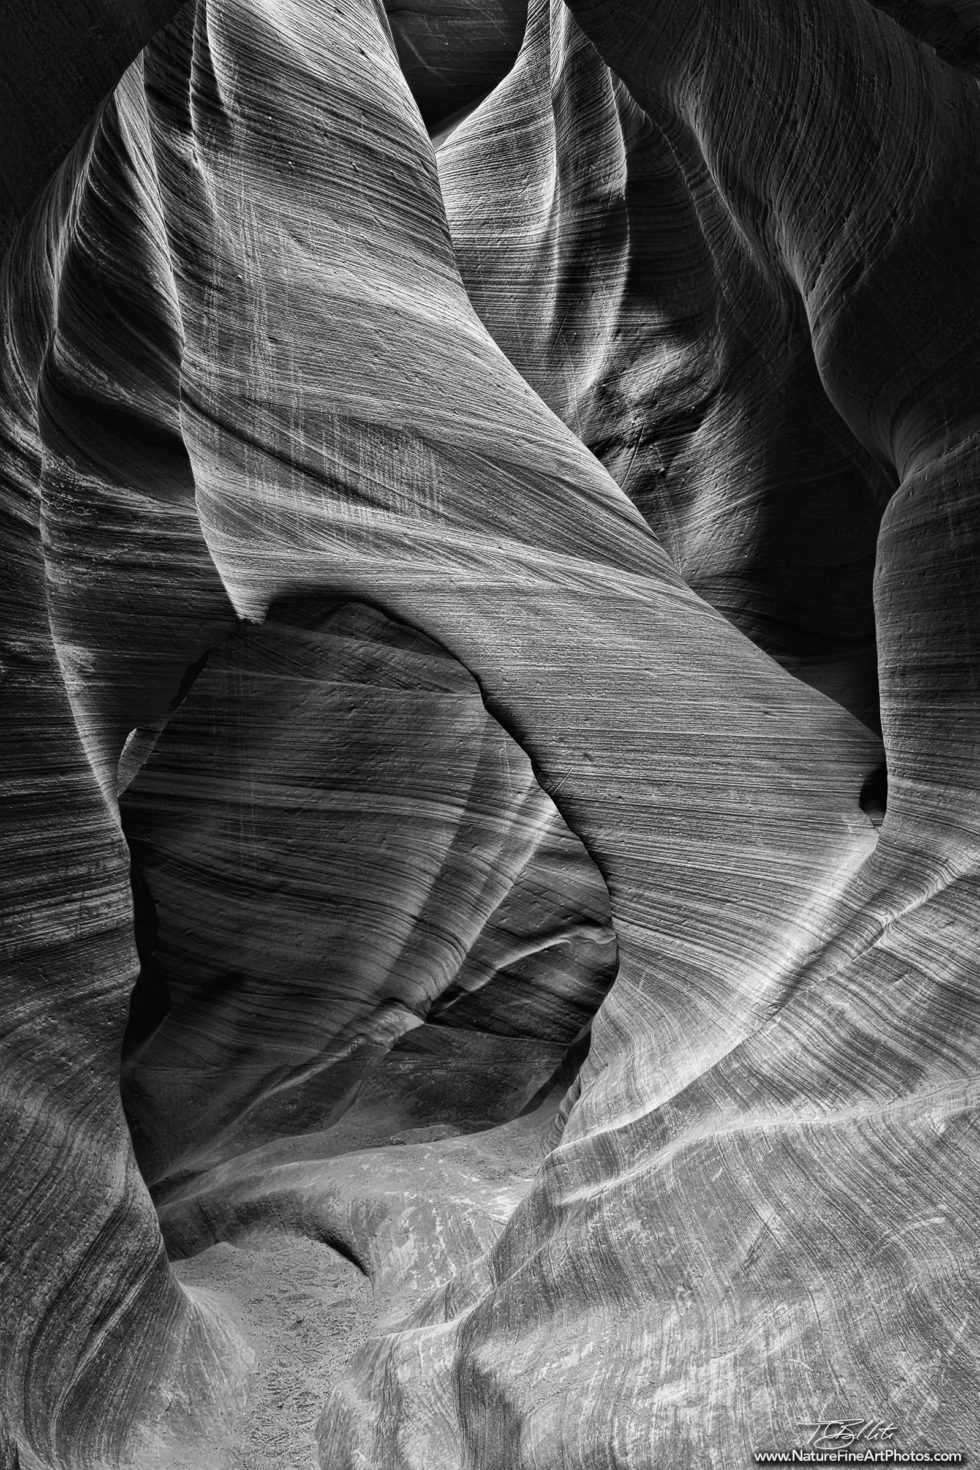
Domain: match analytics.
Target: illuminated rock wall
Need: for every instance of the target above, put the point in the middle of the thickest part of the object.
(461, 565)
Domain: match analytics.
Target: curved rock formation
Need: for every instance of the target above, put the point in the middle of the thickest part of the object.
(338, 845)
(453, 54)
(57, 68)
(609, 269)
(622, 444)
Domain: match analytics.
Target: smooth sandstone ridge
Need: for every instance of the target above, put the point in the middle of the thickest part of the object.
(490, 786)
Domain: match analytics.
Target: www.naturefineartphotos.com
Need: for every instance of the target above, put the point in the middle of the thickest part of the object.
(489, 733)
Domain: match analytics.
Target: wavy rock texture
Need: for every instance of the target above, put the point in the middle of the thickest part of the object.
(58, 67)
(595, 266)
(621, 449)
(338, 844)
(453, 54)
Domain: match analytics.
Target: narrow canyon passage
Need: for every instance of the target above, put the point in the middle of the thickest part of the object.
(489, 774)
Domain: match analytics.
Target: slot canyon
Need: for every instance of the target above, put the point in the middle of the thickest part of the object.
(489, 733)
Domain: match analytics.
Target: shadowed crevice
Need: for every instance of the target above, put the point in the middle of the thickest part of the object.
(350, 892)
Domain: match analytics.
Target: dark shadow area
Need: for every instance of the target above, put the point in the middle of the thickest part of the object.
(357, 912)
(453, 54)
(874, 794)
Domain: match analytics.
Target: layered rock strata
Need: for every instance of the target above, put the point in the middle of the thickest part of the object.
(339, 847)
(646, 402)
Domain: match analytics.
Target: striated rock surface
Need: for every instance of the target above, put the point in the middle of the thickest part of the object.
(336, 844)
(454, 52)
(604, 259)
(478, 511)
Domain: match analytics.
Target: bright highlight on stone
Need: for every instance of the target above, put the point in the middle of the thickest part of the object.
(489, 812)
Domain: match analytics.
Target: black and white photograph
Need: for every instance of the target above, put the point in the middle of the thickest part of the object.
(489, 734)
